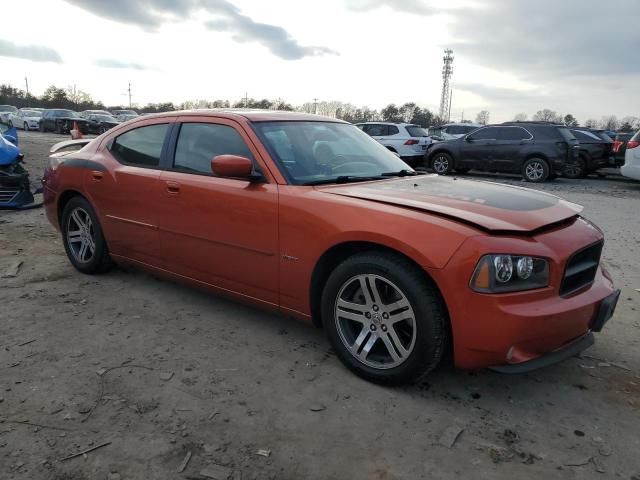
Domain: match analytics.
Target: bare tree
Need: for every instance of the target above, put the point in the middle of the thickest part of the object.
(483, 117)
(591, 123)
(520, 117)
(609, 122)
(547, 115)
(631, 122)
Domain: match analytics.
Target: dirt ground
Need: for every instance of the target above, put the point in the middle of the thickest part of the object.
(162, 371)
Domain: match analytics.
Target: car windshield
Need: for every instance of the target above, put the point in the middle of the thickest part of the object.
(32, 113)
(326, 152)
(66, 113)
(416, 131)
(126, 112)
(8, 108)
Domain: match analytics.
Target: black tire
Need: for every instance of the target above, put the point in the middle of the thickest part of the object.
(576, 168)
(10, 123)
(26, 127)
(535, 170)
(99, 261)
(429, 324)
(462, 171)
(442, 163)
(102, 130)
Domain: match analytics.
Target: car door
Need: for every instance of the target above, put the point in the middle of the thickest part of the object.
(506, 152)
(477, 148)
(127, 193)
(220, 231)
(392, 138)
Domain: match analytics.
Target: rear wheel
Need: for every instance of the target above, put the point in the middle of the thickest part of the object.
(442, 163)
(535, 170)
(385, 321)
(82, 237)
(576, 168)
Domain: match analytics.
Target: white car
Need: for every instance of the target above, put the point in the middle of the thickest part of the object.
(5, 111)
(409, 141)
(631, 167)
(26, 118)
(452, 130)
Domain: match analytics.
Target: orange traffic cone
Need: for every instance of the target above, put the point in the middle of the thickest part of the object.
(76, 134)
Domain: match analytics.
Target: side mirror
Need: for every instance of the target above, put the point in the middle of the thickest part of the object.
(232, 166)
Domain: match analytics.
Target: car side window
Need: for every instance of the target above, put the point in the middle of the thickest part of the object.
(393, 130)
(513, 133)
(378, 130)
(198, 143)
(141, 146)
(489, 133)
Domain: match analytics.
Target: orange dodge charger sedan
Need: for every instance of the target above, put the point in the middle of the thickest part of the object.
(311, 217)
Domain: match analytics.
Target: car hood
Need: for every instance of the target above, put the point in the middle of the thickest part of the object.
(489, 206)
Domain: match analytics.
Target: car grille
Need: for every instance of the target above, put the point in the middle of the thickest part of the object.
(7, 194)
(581, 269)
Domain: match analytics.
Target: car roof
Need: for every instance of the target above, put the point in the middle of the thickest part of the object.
(402, 124)
(251, 115)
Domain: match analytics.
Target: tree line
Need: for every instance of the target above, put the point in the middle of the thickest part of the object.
(410, 112)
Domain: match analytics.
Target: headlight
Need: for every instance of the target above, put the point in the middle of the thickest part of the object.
(509, 273)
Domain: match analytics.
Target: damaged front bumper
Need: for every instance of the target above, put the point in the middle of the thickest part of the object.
(15, 188)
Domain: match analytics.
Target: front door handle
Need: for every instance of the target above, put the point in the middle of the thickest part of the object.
(97, 175)
(173, 187)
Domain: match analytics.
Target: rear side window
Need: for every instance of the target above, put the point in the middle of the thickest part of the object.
(393, 130)
(560, 134)
(586, 137)
(513, 133)
(198, 143)
(376, 130)
(416, 131)
(489, 133)
(141, 146)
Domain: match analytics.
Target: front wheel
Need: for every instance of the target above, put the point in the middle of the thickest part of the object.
(82, 237)
(535, 170)
(577, 168)
(442, 163)
(386, 322)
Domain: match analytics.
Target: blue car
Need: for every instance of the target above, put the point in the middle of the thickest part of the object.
(15, 188)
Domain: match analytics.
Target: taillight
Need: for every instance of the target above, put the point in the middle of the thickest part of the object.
(616, 145)
(412, 142)
(633, 144)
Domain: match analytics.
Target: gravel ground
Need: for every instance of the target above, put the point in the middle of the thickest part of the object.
(162, 371)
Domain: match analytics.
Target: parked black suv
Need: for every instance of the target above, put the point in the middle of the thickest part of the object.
(537, 150)
(596, 151)
(61, 120)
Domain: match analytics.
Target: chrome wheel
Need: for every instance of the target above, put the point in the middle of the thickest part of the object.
(375, 321)
(441, 164)
(534, 171)
(81, 235)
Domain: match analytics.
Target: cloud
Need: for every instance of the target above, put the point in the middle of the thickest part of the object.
(419, 7)
(35, 53)
(113, 63)
(498, 94)
(548, 38)
(151, 14)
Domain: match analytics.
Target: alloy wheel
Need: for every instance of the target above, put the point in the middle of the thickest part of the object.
(375, 321)
(534, 171)
(81, 235)
(441, 164)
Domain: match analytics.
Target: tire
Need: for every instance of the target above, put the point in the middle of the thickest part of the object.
(79, 219)
(58, 128)
(365, 337)
(535, 170)
(576, 168)
(102, 130)
(442, 163)
(26, 127)
(10, 123)
(462, 171)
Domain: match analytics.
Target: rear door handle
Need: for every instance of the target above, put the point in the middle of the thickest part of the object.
(173, 187)
(97, 175)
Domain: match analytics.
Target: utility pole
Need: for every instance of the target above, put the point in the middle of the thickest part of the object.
(246, 99)
(315, 106)
(445, 98)
(26, 84)
(129, 91)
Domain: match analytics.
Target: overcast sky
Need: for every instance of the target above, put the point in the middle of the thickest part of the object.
(511, 56)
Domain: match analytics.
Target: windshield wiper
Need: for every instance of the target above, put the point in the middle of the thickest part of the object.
(401, 173)
(343, 179)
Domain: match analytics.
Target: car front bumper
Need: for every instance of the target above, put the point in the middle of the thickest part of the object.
(516, 328)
